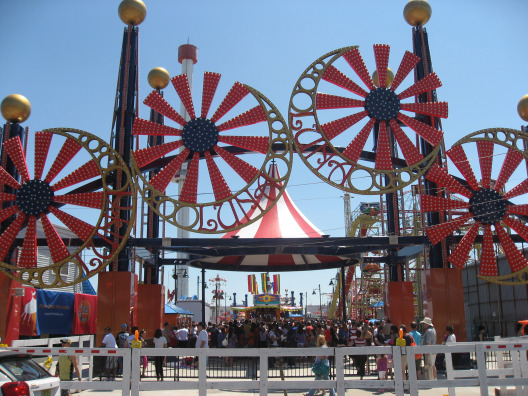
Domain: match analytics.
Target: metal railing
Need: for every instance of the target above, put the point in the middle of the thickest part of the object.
(252, 369)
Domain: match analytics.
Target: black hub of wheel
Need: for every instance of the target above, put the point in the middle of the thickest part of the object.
(34, 197)
(200, 134)
(487, 206)
(382, 104)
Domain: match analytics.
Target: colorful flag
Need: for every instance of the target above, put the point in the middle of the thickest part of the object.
(276, 284)
(85, 314)
(264, 282)
(251, 284)
(28, 318)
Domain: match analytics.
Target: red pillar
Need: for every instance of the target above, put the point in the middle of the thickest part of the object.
(400, 309)
(150, 308)
(10, 306)
(443, 301)
(116, 301)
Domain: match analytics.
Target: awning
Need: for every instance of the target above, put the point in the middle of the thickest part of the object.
(171, 308)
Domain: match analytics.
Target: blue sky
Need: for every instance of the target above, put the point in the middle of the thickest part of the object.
(64, 57)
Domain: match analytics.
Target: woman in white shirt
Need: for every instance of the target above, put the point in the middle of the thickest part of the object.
(159, 342)
(450, 334)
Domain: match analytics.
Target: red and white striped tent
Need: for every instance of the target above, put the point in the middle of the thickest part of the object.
(284, 220)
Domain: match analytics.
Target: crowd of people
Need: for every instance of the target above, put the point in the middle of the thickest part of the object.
(291, 334)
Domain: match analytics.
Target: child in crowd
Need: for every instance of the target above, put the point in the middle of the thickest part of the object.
(382, 362)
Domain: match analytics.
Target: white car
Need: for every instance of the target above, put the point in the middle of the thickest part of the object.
(21, 376)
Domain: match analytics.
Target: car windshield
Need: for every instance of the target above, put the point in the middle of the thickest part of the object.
(23, 368)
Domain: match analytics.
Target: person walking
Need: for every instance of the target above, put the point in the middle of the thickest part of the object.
(109, 341)
(429, 338)
(382, 363)
(183, 337)
(159, 342)
(418, 341)
(66, 365)
(202, 338)
(321, 367)
(144, 359)
(121, 338)
(451, 338)
(360, 360)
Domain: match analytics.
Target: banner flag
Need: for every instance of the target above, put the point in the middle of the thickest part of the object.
(264, 283)
(250, 284)
(54, 312)
(84, 320)
(276, 284)
(28, 314)
(255, 284)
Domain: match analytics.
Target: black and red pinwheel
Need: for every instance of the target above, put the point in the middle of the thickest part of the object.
(481, 206)
(333, 130)
(222, 165)
(68, 196)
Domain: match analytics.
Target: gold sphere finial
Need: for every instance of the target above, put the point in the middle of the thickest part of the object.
(15, 108)
(132, 12)
(388, 82)
(158, 78)
(522, 108)
(417, 12)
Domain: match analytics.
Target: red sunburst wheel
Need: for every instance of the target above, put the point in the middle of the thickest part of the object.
(67, 196)
(230, 184)
(487, 209)
(347, 115)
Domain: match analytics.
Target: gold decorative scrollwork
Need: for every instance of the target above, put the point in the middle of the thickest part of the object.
(86, 210)
(323, 158)
(244, 205)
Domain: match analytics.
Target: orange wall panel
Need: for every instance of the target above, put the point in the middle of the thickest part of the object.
(116, 302)
(151, 308)
(401, 304)
(444, 301)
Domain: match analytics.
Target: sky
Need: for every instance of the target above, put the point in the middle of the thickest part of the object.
(64, 57)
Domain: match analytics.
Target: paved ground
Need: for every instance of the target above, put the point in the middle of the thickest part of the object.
(349, 392)
(473, 391)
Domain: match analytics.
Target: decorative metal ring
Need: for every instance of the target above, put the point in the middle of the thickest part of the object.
(90, 187)
(486, 207)
(226, 206)
(316, 139)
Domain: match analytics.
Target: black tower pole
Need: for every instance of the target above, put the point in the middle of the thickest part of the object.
(203, 294)
(151, 271)
(124, 114)
(10, 130)
(437, 253)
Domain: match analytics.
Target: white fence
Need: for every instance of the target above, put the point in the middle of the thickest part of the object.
(513, 373)
(83, 341)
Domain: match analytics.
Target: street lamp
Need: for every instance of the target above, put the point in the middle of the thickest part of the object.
(320, 301)
(175, 276)
(225, 306)
(217, 281)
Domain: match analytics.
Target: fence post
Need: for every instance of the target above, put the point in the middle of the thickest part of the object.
(90, 359)
(523, 361)
(135, 370)
(264, 372)
(482, 371)
(411, 368)
(202, 371)
(449, 371)
(127, 363)
(397, 367)
(340, 371)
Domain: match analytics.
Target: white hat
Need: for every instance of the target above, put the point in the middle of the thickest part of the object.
(427, 321)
